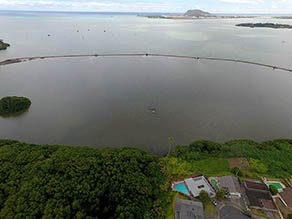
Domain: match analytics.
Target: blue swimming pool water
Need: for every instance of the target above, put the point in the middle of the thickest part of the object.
(182, 188)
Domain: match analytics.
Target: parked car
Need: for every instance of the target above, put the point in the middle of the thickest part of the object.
(214, 202)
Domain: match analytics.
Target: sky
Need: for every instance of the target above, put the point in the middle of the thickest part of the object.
(213, 6)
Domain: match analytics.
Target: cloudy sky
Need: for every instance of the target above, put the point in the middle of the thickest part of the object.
(215, 6)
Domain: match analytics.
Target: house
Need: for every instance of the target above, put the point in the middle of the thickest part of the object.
(259, 196)
(192, 186)
(186, 209)
(231, 184)
(197, 184)
(286, 197)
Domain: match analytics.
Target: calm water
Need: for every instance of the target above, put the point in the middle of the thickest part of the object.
(105, 101)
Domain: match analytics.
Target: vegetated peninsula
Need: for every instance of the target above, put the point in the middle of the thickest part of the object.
(193, 14)
(267, 25)
(51, 181)
(283, 17)
(13, 105)
(3, 45)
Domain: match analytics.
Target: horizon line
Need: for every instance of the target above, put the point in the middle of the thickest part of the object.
(137, 12)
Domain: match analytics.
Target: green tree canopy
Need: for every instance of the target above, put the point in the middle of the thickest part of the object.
(204, 197)
(273, 189)
(205, 146)
(11, 105)
(42, 181)
(220, 194)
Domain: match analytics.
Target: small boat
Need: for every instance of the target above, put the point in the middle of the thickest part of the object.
(152, 109)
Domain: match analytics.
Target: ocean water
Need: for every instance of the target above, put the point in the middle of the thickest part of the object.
(105, 101)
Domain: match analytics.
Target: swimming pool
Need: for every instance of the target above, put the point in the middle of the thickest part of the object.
(278, 185)
(182, 188)
(214, 184)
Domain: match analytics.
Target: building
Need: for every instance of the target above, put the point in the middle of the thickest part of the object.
(198, 184)
(186, 209)
(286, 197)
(192, 186)
(259, 196)
(231, 184)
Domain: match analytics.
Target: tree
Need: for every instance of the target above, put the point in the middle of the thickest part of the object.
(236, 171)
(257, 166)
(205, 146)
(273, 189)
(204, 198)
(220, 194)
(289, 216)
(10, 105)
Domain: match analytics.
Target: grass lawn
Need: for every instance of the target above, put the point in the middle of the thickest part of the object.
(258, 212)
(178, 168)
(210, 208)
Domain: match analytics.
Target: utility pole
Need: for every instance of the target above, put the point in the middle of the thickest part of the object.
(170, 143)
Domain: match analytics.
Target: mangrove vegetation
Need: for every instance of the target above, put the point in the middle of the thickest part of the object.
(3, 45)
(268, 25)
(13, 105)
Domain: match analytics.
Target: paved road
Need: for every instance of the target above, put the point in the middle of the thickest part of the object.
(229, 212)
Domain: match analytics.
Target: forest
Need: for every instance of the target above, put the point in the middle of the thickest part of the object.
(42, 181)
(51, 181)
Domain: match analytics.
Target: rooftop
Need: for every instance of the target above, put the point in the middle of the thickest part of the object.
(197, 184)
(230, 183)
(186, 209)
(268, 204)
(257, 185)
(286, 195)
(255, 198)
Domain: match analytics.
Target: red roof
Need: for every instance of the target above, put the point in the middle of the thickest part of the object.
(258, 185)
(269, 204)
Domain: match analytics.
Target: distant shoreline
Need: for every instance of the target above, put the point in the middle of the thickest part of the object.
(265, 25)
(182, 17)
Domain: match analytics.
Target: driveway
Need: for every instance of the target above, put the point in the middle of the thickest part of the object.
(229, 212)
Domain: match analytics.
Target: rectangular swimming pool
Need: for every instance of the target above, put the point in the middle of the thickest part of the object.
(182, 188)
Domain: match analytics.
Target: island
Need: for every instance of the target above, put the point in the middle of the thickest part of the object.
(197, 13)
(193, 14)
(267, 25)
(13, 105)
(3, 45)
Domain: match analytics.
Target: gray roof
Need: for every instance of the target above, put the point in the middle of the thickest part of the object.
(197, 184)
(229, 182)
(186, 209)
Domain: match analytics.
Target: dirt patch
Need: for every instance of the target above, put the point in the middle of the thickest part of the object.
(240, 162)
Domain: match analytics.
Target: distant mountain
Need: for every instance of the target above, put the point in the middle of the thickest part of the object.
(197, 13)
